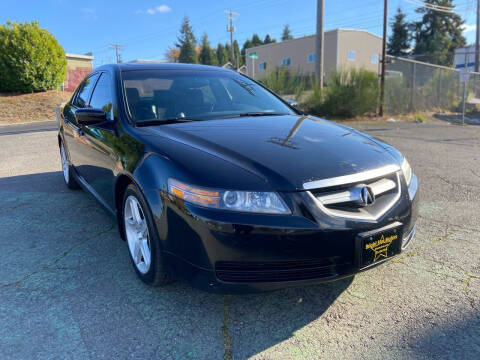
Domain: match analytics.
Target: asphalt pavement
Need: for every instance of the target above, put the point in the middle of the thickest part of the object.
(68, 291)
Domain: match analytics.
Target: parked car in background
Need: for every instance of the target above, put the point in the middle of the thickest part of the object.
(216, 180)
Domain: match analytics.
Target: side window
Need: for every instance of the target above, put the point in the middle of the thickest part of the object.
(286, 62)
(102, 95)
(85, 89)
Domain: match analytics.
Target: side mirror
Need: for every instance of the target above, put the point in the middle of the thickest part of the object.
(292, 103)
(89, 116)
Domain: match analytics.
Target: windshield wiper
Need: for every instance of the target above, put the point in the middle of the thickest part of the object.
(173, 120)
(265, 113)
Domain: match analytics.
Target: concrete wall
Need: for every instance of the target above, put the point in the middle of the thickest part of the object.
(338, 43)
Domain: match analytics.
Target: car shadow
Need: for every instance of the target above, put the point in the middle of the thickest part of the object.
(76, 257)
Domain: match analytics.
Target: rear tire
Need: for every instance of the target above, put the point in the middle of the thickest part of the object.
(142, 239)
(67, 170)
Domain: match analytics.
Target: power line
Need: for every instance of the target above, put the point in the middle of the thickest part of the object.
(231, 30)
(117, 48)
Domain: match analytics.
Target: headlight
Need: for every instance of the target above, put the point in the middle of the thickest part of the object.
(407, 171)
(245, 201)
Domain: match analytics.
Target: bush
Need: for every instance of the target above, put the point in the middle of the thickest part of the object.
(397, 95)
(314, 97)
(31, 59)
(284, 82)
(419, 118)
(441, 91)
(350, 93)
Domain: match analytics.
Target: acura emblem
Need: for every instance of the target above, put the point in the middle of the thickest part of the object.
(367, 196)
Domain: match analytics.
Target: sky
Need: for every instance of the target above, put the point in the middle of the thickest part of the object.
(146, 28)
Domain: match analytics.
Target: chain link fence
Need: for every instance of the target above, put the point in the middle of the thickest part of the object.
(412, 86)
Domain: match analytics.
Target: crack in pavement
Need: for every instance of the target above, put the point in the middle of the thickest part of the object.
(422, 248)
(465, 277)
(28, 202)
(52, 264)
(428, 219)
(226, 338)
(453, 184)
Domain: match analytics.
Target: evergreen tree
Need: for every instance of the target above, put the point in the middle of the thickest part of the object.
(256, 41)
(246, 45)
(222, 56)
(236, 53)
(187, 43)
(228, 52)
(207, 55)
(286, 34)
(268, 40)
(399, 40)
(438, 34)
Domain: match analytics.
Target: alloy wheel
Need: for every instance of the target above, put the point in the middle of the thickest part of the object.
(136, 231)
(65, 166)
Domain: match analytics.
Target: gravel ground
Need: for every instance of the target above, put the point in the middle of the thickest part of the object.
(19, 108)
(67, 289)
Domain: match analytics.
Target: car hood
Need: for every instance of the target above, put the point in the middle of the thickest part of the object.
(286, 151)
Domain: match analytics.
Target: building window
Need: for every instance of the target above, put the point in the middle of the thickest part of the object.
(286, 62)
(311, 58)
(374, 59)
(351, 55)
(262, 66)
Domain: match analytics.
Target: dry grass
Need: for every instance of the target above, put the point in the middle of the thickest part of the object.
(19, 108)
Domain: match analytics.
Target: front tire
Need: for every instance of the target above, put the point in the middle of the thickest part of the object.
(67, 170)
(141, 238)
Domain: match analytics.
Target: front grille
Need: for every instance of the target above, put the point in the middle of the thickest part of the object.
(347, 200)
(274, 271)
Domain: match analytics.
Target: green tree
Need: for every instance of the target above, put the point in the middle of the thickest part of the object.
(207, 54)
(286, 34)
(236, 53)
(187, 43)
(31, 59)
(399, 40)
(228, 52)
(222, 55)
(437, 34)
(246, 45)
(256, 41)
(268, 40)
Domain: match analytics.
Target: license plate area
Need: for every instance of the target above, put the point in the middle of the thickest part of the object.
(378, 245)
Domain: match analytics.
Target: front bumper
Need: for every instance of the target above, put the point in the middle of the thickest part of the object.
(241, 253)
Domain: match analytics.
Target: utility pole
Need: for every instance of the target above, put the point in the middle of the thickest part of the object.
(117, 48)
(319, 42)
(231, 30)
(477, 41)
(384, 57)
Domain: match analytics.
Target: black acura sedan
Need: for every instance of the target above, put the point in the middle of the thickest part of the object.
(216, 180)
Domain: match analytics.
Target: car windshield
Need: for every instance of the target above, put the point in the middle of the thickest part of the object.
(168, 95)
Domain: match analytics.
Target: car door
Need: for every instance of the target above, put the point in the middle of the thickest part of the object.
(98, 158)
(74, 138)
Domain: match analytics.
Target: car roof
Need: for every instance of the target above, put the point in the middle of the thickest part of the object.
(160, 66)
